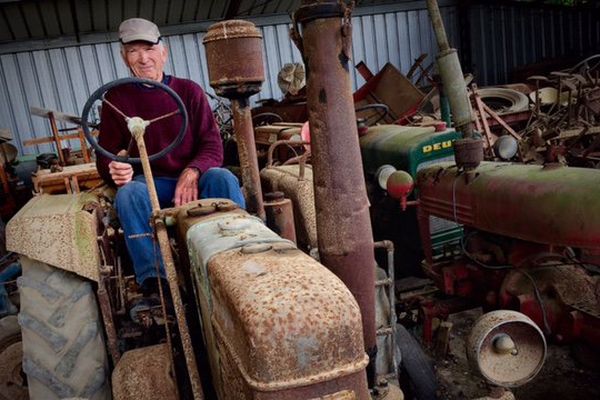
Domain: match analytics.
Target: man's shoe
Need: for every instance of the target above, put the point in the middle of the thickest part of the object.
(140, 312)
(151, 299)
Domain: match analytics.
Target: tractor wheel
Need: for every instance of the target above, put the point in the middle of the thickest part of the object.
(12, 382)
(416, 366)
(2, 238)
(64, 354)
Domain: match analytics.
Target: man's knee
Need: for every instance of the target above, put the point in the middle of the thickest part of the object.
(221, 183)
(130, 193)
(221, 175)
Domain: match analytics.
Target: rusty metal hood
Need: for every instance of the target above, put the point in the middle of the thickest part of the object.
(58, 231)
(279, 318)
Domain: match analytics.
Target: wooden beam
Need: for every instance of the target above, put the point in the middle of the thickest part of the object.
(50, 139)
(58, 116)
(55, 134)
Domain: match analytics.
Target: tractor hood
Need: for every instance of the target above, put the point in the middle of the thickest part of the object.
(55, 229)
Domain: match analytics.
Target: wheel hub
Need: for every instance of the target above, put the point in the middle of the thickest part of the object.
(12, 382)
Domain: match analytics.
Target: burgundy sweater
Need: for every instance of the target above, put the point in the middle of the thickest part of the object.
(201, 146)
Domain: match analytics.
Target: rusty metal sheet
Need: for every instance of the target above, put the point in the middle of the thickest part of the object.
(144, 374)
(298, 188)
(279, 325)
(284, 319)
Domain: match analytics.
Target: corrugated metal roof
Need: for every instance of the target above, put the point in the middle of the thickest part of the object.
(23, 20)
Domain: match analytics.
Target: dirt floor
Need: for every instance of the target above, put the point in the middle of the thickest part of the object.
(560, 378)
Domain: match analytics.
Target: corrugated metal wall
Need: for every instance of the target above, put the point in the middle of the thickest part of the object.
(63, 78)
(509, 36)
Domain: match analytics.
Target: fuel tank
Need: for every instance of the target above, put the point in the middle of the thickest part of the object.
(276, 323)
(405, 147)
(548, 204)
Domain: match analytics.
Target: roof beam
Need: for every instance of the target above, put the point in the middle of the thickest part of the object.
(232, 9)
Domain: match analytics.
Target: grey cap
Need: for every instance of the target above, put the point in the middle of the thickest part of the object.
(134, 29)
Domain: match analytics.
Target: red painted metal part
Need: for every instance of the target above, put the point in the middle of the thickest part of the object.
(527, 206)
(439, 309)
(512, 289)
(565, 305)
(525, 202)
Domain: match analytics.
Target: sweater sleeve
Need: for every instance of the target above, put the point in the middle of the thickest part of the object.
(202, 121)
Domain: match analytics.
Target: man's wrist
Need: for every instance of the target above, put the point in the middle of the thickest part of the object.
(196, 170)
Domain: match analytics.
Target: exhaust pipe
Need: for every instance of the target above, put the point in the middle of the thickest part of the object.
(342, 207)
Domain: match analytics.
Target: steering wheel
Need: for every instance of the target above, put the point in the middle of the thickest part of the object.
(381, 111)
(266, 118)
(99, 95)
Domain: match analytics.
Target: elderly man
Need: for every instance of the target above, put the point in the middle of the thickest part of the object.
(188, 172)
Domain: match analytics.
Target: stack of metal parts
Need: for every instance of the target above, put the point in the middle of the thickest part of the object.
(565, 123)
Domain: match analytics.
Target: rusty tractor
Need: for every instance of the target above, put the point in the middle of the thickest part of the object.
(253, 316)
(499, 235)
(494, 234)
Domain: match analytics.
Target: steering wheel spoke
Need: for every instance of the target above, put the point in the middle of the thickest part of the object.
(115, 108)
(167, 115)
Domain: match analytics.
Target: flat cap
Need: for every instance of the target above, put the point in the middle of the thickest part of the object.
(134, 29)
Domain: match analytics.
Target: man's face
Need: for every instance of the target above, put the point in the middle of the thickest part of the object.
(146, 60)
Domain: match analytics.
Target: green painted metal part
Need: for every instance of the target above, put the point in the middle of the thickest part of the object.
(543, 204)
(410, 149)
(406, 148)
(445, 110)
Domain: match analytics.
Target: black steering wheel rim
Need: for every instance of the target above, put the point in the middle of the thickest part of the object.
(97, 95)
(374, 106)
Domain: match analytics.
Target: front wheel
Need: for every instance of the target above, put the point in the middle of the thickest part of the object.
(416, 366)
(64, 354)
(12, 382)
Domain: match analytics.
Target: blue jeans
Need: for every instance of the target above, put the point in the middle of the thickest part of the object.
(134, 210)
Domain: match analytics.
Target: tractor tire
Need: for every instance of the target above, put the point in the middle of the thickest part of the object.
(2, 238)
(64, 354)
(416, 366)
(12, 383)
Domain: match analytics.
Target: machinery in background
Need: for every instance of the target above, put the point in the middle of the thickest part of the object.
(389, 148)
(531, 242)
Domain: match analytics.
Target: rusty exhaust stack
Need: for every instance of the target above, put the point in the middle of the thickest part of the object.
(468, 152)
(235, 69)
(342, 207)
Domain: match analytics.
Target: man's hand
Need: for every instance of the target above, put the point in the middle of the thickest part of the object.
(187, 187)
(120, 172)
